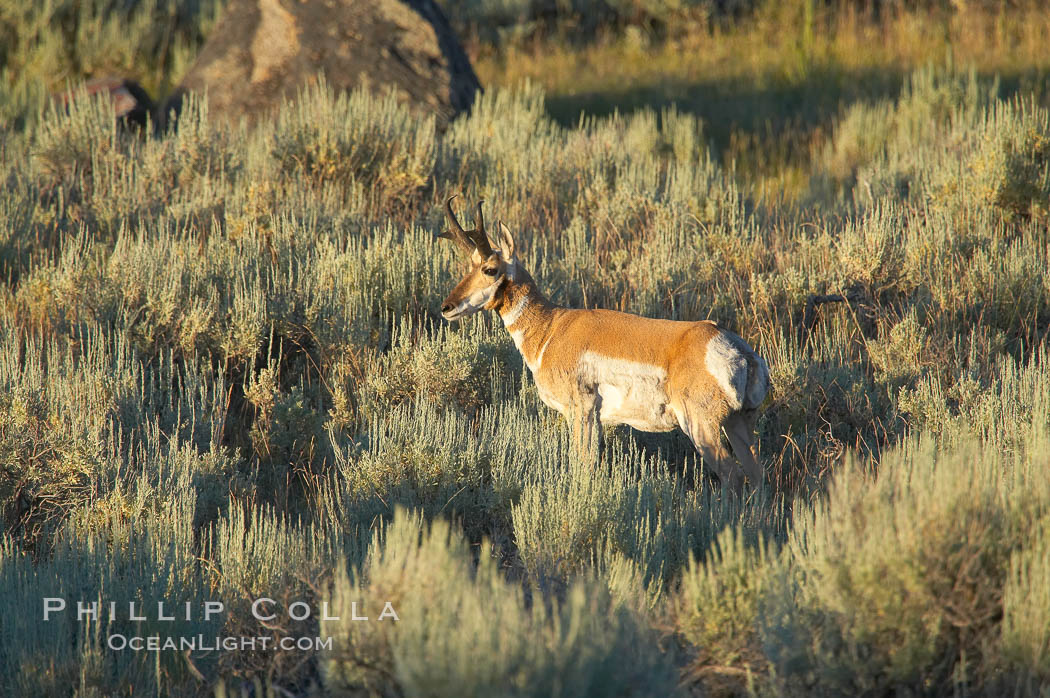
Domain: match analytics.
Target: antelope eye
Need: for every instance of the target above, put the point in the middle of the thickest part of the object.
(491, 271)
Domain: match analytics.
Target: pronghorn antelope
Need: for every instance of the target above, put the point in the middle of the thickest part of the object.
(617, 368)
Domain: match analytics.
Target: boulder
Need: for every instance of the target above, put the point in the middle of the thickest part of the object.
(263, 51)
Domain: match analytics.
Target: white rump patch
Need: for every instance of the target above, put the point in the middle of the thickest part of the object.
(758, 386)
(728, 365)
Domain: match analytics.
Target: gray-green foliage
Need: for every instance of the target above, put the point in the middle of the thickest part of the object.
(718, 606)
(66, 41)
(223, 374)
(897, 581)
(465, 630)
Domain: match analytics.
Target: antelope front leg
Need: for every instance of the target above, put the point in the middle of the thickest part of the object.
(586, 421)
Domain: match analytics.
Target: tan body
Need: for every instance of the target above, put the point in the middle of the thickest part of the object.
(603, 366)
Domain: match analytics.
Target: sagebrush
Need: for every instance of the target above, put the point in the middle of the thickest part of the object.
(224, 376)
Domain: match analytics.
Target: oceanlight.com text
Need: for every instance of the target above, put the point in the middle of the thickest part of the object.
(200, 643)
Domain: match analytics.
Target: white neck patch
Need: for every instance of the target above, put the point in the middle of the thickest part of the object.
(512, 315)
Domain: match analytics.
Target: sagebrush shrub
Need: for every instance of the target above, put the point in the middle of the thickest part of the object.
(898, 579)
(718, 605)
(462, 630)
(357, 140)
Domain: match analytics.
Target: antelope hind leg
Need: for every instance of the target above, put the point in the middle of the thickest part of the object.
(706, 436)
(740, 430)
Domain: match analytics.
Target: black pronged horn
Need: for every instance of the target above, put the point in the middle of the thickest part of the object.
(469, 240)
(455, 233)
(481, 240)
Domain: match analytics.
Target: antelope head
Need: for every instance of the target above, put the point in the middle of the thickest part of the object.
(490, 269)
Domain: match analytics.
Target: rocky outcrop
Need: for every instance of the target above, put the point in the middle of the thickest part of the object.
(263, 51)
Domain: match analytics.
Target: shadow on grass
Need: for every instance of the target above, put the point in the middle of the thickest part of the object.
(770, 120)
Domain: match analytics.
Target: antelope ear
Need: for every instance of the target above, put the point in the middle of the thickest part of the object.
(506, 241)
(475, 256)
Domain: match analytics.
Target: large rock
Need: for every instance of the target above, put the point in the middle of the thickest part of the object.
(264, 50)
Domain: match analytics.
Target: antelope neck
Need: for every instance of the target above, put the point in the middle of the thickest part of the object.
(527, 315)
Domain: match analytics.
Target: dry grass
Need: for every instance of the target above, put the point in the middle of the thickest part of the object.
(769, 88)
